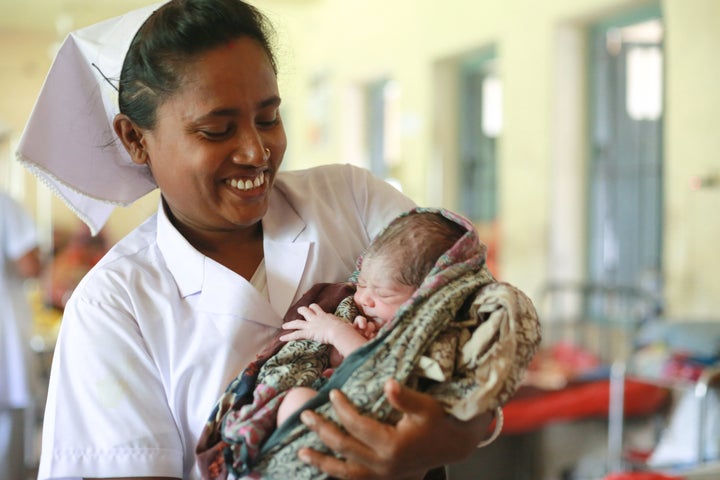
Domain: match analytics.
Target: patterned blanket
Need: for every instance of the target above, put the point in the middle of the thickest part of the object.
(473, 336)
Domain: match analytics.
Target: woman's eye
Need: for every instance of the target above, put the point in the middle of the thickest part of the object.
(217, 133)
(268, 117)
(270, 122)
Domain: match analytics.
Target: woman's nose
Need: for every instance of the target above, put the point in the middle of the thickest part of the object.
(250, 149)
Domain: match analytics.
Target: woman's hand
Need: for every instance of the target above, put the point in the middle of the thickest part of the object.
(425, 437)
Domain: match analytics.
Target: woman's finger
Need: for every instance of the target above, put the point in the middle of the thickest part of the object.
(423, 412)
(364, 430)
(373, 450)
(344, 470)
(339, 442)
(334, 438)
(333, 466)
(409, 401)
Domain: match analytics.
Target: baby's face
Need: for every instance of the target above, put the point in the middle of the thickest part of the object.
(378, 295)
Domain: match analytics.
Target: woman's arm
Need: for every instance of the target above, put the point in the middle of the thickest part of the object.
(425, 437)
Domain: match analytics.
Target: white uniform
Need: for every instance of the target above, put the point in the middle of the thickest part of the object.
(156, 331)
(17, 238)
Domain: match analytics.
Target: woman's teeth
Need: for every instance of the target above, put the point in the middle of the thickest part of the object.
(247, 184)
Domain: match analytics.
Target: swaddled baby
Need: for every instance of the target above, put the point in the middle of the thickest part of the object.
(425, 311)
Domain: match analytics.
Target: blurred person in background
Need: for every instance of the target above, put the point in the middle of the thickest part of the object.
(19, 261)
(69, 264)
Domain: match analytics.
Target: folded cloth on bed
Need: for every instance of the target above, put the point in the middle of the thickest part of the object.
(481, 333)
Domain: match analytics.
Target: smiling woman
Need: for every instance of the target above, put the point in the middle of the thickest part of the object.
(221, 126)
(187, 299)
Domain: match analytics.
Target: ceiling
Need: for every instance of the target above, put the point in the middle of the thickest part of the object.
(63, 16)
(60, 16)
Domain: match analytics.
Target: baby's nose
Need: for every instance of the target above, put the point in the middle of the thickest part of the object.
(363, 299)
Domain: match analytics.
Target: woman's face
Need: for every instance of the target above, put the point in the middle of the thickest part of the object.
(218, 142)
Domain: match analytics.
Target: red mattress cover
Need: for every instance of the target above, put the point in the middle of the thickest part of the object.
(531, 408)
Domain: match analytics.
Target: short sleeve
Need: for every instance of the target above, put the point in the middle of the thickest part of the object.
(379, 202)
(111, 416)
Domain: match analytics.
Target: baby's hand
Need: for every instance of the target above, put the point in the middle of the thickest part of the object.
(367, 328)
(317, 325)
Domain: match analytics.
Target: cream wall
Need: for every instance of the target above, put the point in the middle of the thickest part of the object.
(692, 147)
(543, 147)
(542, 150)
(24, 61)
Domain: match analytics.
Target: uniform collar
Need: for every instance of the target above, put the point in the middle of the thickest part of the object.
(286, 251)
(286, 255)
(184, 262)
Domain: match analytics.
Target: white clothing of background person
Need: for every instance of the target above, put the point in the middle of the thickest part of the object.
(19, 260)
(184, 325)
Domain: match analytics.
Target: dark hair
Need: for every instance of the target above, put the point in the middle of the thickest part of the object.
(171, 38)
(414, 242)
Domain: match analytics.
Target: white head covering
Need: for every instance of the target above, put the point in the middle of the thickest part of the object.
(69, 142)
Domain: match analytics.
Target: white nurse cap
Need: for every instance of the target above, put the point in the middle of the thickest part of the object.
(69, 142)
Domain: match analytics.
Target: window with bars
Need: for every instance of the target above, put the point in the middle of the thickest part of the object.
(625, 174)
(480, 112)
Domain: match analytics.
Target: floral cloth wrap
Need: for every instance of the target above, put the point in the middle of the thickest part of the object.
(462, 337)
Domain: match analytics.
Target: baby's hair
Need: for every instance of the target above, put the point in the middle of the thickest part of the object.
(413, 243)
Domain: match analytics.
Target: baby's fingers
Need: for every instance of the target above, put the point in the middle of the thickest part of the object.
(311, 311)
(294, 325)
(294, 335)
(316, 309)
(360, 322)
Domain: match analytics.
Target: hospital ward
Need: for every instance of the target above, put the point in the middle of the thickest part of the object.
(378, 240)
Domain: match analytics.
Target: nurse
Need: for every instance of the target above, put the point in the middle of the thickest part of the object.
(158, 328)
(19, 261)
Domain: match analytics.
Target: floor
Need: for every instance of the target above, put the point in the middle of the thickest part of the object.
(18, 459)
(563, 451)
(566, 451)
(551, 454)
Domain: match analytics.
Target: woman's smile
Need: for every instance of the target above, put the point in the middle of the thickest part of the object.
(247, 183)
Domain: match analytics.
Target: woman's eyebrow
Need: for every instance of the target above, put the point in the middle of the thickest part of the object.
(273, 101)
